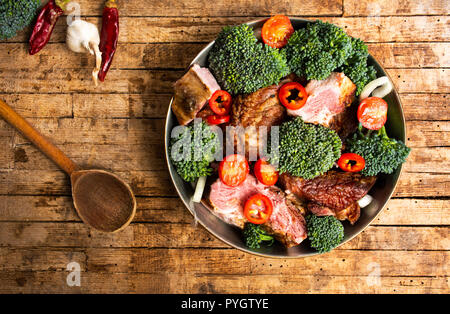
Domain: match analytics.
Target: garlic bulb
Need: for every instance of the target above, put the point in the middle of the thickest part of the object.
(83, 36)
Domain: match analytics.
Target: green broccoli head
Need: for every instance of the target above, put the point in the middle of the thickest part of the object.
(306, 150)
(325, 233)
(254, 235)
(241, 64)
(318, 49)
(381, 153)
(192, 150)
(356, 68)
(16, 15)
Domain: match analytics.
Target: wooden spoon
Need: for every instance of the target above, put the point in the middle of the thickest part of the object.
(101, 199)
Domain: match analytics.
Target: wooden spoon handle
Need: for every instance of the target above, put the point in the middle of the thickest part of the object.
(51, 151)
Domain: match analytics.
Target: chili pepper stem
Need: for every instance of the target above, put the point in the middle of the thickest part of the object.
(111, 4)
(62, 3)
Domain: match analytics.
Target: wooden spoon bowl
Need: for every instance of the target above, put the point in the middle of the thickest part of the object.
(101, 199)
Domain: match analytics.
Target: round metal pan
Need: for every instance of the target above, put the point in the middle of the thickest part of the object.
(231, 235)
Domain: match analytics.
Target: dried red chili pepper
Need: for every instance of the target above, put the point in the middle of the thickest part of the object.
(109, 36)
(45, 23)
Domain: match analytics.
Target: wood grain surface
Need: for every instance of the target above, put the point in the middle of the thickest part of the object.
(119, 126)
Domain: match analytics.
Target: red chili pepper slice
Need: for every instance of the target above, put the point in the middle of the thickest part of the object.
(45, 23)
(233, 170)
(258, 209)
(351, 162)
(293, 95)
(372, 113)
(109, 36)
(216, 119)
(265, 172)
(220, 102)
(276, 31)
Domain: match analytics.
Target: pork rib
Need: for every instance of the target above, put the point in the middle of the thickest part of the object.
(192, 91)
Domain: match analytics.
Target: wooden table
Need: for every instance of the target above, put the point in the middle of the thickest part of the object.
(119, 126)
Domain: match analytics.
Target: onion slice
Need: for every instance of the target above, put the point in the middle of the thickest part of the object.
(199, 190)
(365, 201)
(379, 87)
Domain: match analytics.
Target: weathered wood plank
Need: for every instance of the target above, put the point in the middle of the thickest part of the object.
(411, 55)
(48, 182)
(120, 157)
(98, 131)
(431, 80)
(157, 183)
(415, 212)
(425, 107)
(423, 185)
(389, 8)
(40, 105)
(171, 210)
(55, 234)
(203, 29)
(161, 55)
(157, 261)
(335, 263)
(221, 8)
(160, 81)
(38, 259)
(79, 81)
(121, 105)
(55, 282)
(425, 159)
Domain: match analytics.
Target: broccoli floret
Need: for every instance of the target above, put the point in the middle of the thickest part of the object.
(16, 15)
(254, 235)
(306, 150)
(241, 64)
(318, 49)
(356, 68)
(193, 150)
(381, 153)
(325, 233)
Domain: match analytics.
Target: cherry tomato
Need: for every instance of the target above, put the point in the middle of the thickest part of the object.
(292, 95)
(276, 31)
(220, 102)
(233, 170)
(258, 209)
(216, 119)
(351, 162)
(372, 113)
(265, 172)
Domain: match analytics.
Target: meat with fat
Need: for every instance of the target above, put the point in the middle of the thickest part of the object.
(254, 113)
(351, 213)
(192, 91)
(334, 189)
(327, 99)
(286, 223)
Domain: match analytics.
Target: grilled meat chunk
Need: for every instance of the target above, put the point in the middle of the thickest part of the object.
(334, 189)
(258, 109)
(351, 213)
(286, 223)
(326, 99)
(192, 91)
